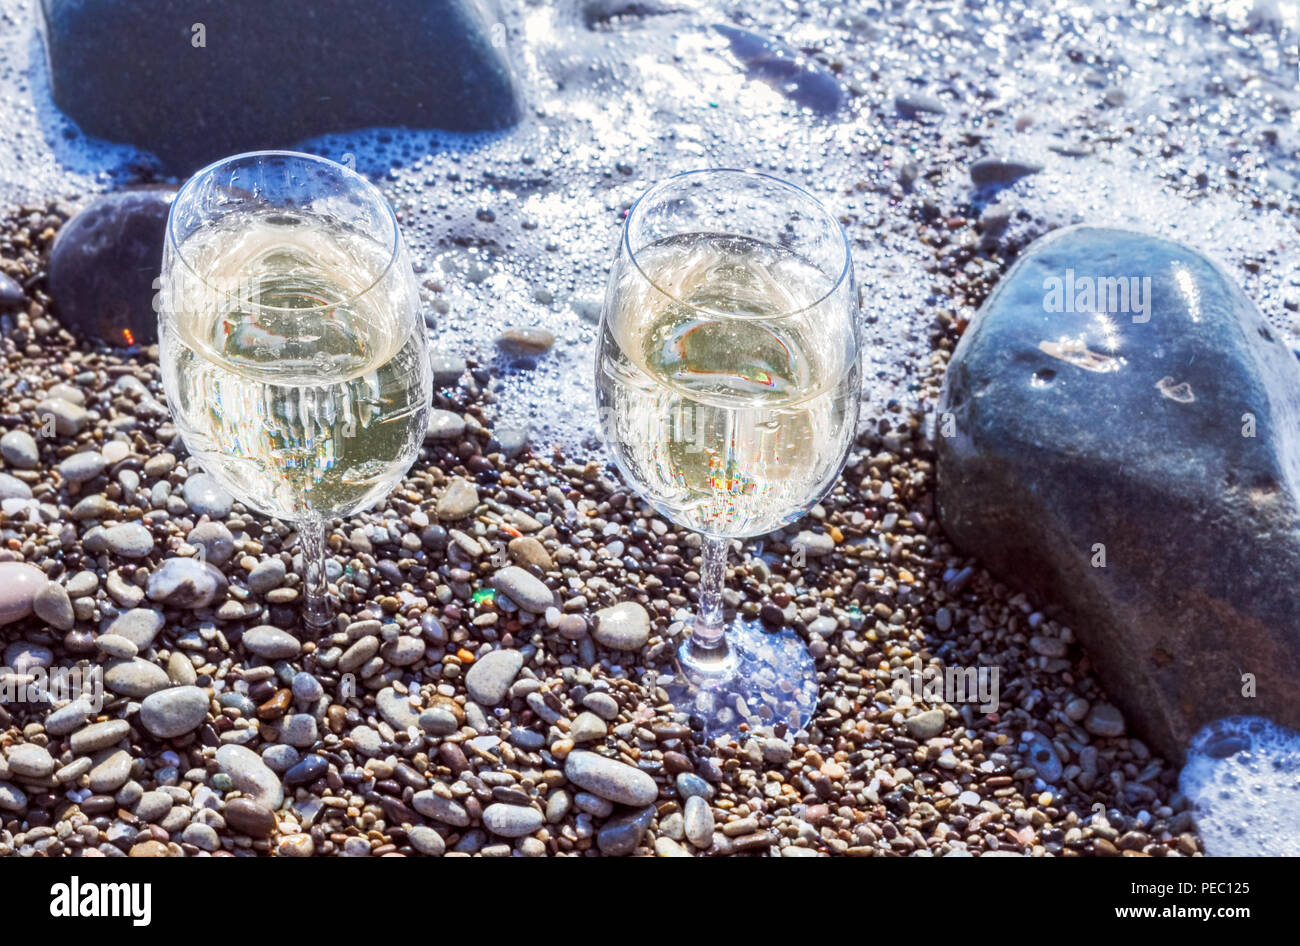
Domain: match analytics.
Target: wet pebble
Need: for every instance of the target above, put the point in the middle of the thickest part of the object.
(621, 835)
(138, 625)
(525, 590)
(215, 540)
(82, 467)
(267, 575)
(699, 822)
(525, 341)
(183, 583)
(271, 643)
(206, 497)
(925, 725)
(444, 425)
(458, 500)
(251, 775)
(490, 677)
(610, 779)
(19, 585)
(1104, 720)
(53, 606)
(28, 760)
(249, 817)
(129, 540)
(19, 450)
(135, 678)
(175, 711)
(511, 821)
(624, 626)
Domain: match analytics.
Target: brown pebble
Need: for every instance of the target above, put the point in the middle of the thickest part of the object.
(759, 840)
(453, 757)
(249, 817)
(150, 849)
(276, 706)
(676, 763)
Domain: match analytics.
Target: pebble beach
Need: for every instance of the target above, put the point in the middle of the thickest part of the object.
(491, 686)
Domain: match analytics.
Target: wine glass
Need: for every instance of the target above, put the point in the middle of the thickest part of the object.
(727, 379)
(293, 348)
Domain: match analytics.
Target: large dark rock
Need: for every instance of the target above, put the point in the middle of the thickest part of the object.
(271, 74)
(1067, 435)
(104, 263)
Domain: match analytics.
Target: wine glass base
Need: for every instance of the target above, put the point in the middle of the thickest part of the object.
(763, 679)
(317, 616)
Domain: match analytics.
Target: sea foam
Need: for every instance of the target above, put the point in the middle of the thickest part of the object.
(1243, 776)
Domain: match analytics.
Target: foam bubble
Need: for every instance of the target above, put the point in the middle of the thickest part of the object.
(1243, 776)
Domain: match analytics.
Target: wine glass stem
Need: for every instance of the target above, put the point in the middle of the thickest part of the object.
(707, 635)
(311, 540)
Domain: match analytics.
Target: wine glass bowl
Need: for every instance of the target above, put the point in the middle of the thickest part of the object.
(727, 378)
(292, 344)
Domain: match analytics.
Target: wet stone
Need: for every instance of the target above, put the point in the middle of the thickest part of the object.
(12, 798)
(206, 497)
(251, 775)
(111, 771)
(25, 656)
(587, 727)
(19, 585)
(99, 736)
(525, 590)
(28, 760)
(67, 718)
(271, 643)
(13, 488)
(249, 817)
(396, 709)
(624, 626)
(267, 575)
(1104, 720)
(116, 646)
(432, 805)
(458, 500)
(139, 625)
(215, 540)
(135, 678)
(307, 771)
(994, 170)
(699, 822)
(526, 341)
(925, 725)
(174, 712)
(490, 677)
(82, 467)
(443, 425)
(129, 540)
(621, 835)
(610, 779)
(511, 821)
(183, 583)
(19, 450)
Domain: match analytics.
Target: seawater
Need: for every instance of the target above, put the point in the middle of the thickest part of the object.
(1242, 775)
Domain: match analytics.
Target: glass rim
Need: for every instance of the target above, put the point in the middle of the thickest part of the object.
(845, 271)
(345, 172)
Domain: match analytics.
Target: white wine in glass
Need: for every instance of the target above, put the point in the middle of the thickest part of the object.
(728, 384)
(293, 350)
